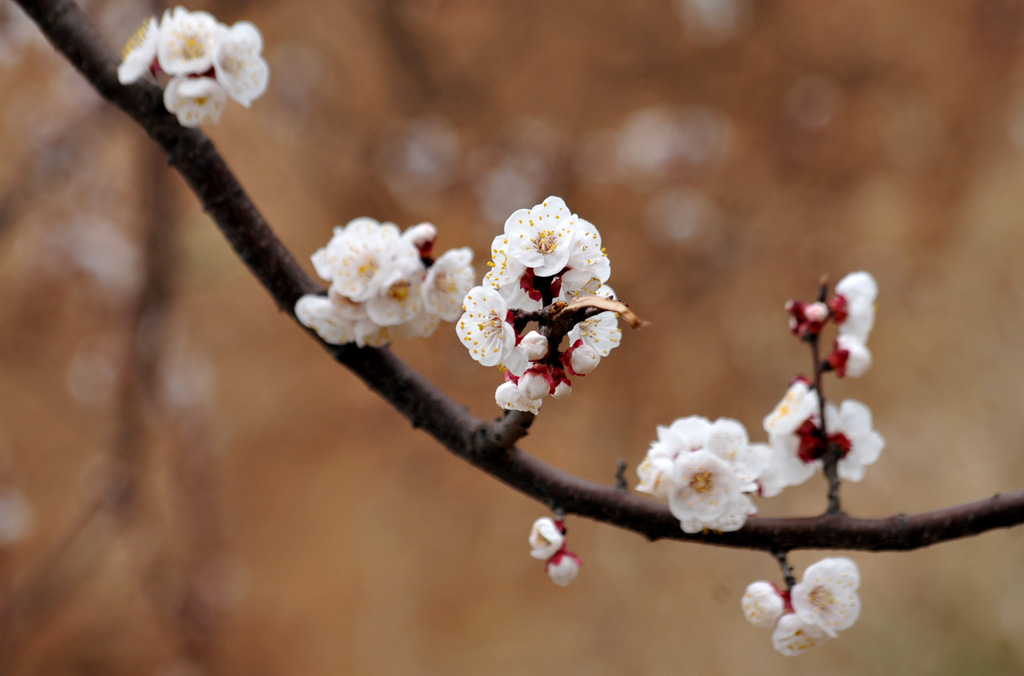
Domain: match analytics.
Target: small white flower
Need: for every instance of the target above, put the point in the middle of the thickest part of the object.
(600, 332)
(510, 398)
(321, 315)
(238, 63)
(799, 404)
(545, 538)
(187, 41)
(541, 237)
(398, 298)
(728, 440)
(859, 289)
(853, 421)
(362, 256)
(655, 473)
(784, 467)
(139, 52)
(447, 282)
(195, 100)
(703, 489)
(587, 261)
(762, 605)
(793, 636)
(483, 329)
(857, 356)
(826, 597)
(563, 568)
(505, 272)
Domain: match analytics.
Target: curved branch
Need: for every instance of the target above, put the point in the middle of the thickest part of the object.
(488, 446)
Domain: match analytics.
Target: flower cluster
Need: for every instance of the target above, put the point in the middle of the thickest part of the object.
(547, 541)
(546, 257)
(706, 471)
(852, 308)
(798, 441)
(813, 611)
(384, 283)
(207, 62)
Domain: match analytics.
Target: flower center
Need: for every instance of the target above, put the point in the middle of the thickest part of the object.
(702, 481)
(822, 599)
(399, 291)
(192, 48)
(546, 242)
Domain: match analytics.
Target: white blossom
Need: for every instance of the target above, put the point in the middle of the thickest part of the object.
(139, 52)
(853, 421)
(799, 404)
(587, 263)
(703, 488)
(859, 290)
(509, 397)
(483, 329)
(600, 332)
(706, 471)
(826, 597)
(398, 298)
(195, 100)
(239, 64)
(857, 358)
(187, 41)
(784, 467)
(541, 237)
(655, 474)
(361, 258)
(793, 636)
(545, 538)
(323, 316)
(762, 604)
(447, 282)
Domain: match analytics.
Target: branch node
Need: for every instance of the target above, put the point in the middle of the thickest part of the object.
(620, 475)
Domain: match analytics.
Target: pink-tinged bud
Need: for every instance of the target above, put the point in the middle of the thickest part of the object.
(816, 312)
(563, 568)
(562, 390)
(583, 359)
(422, 236)
(534, 384)
(536, 346)
(806, 320)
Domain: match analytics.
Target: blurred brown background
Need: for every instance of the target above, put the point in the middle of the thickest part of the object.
(729, 151)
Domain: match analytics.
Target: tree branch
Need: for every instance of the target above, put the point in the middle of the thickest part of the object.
(194, 156)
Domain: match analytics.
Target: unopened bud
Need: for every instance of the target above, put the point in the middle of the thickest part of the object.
(534, 385)
(563, 568)
(562, 390)
(536, 346)
(583, 360)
